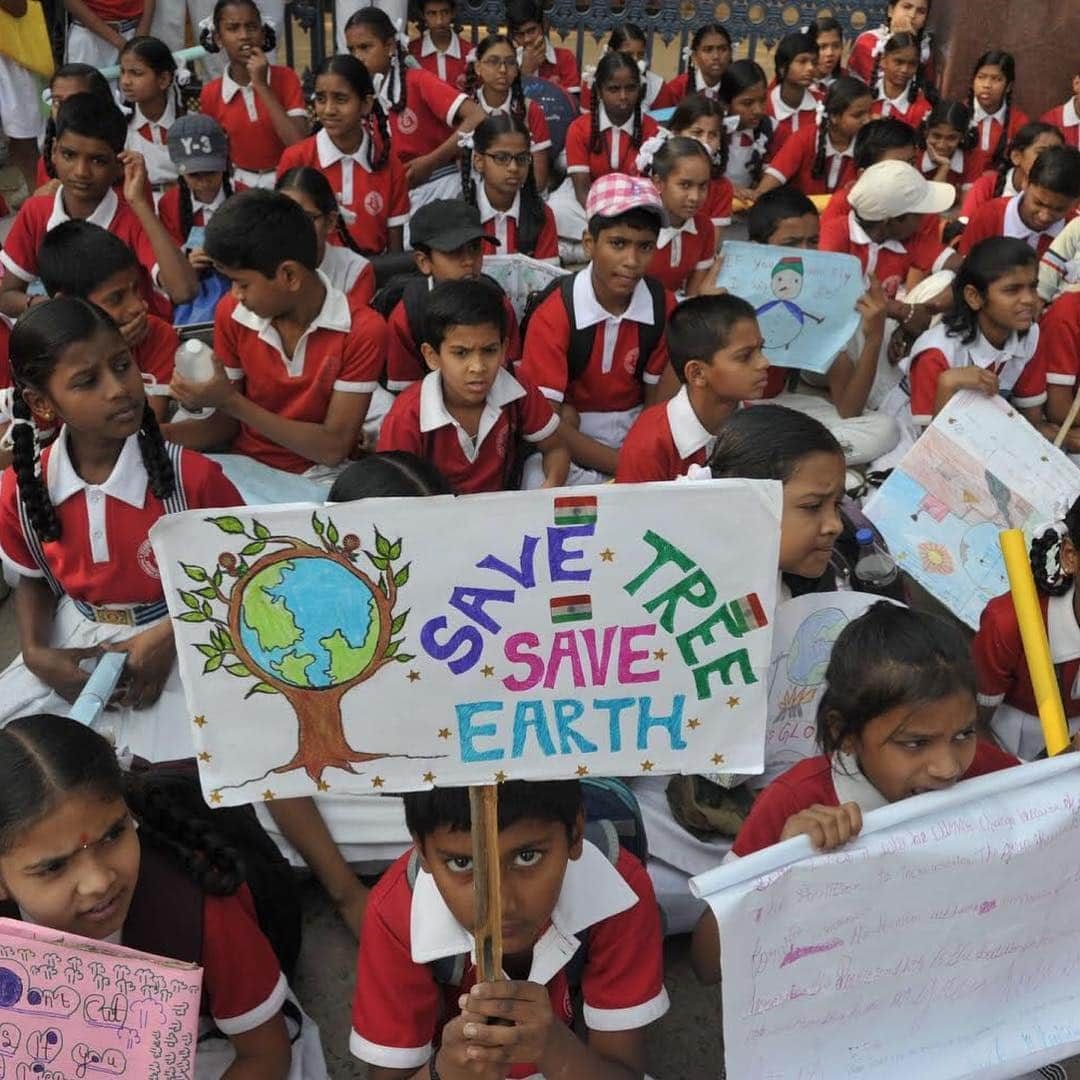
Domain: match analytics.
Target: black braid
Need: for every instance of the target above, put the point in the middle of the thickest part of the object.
(226, 183)
(472, 81)
(1042, 549)
(468, 181)
(518, 104)
(47, 147)
(999, 155)
(378, 132)
(187, 211)
(875, 75)
(755, 165)
(25, 460)
(402, 70)
(531, 216)
(636, 137)
(817, 170)
(156, 460)
(596, 139)
(691, 77)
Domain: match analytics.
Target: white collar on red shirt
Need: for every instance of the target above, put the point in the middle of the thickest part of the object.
(669, 232)
(1013, 225)
(606, 123)
(687, 432)
(434, 413)
(980, 353)
(164, 122)
(491, 110)
(230, 87)
(889, 105)
(859, 236)
(782, 111)
(329, 153)
(589, 312)
(852, 786)
(980, 114)
(592, 890)
(1069, 116)
(956, 163)
(549, 54)
(211, 206)
(103, 213)
(127, 481)
(488, 212)
(427, 46)
(1062, 628)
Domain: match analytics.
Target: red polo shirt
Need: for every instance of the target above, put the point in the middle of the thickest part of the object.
(718, 204)
(559, 66)
(665, 440)
(693, 247)
(451, 66)
(675, 90)
(1001, 217)
(988, 134)
(906, 111)
(1059, 340)
(788, 122)
(428, 117)
(581, 159)
(155, 355)
(1066, 119)
(794, 162)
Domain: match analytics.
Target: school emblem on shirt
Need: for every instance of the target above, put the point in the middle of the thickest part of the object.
(630, 362)
(147, 562)
(374, 203)
(407, 121)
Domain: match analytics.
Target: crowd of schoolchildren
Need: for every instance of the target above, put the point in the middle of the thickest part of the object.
(272, 215)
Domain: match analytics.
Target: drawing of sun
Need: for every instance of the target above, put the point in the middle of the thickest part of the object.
(936, 558)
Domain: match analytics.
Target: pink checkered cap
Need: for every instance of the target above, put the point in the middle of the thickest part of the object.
(616, 193)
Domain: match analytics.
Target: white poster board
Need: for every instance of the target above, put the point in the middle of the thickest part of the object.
(395, 644)
(941, 944)
(520, 277)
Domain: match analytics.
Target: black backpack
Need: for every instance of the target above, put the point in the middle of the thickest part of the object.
(580, 346)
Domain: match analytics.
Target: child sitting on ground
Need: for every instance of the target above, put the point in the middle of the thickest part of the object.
(557, 889)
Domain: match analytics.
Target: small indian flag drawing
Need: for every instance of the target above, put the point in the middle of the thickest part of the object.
(571, 608)
(575, 510)
(748, 612)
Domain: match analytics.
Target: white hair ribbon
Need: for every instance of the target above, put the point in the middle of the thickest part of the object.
(183, 76)
(649, 148)
(466, 140)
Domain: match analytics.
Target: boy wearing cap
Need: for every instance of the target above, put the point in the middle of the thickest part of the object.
(595, 344)
(448, 238)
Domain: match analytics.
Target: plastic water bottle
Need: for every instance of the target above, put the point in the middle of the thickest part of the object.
(876, 569)
(195, 362)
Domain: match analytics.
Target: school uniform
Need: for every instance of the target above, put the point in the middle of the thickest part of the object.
(374, 200)
(1001, 217)
(719, 200)
(983, 190)
(820, 87)
(42, 213)
(959, 174)
(428, 118)
(1067, 120)
(151, 139)
(793, 164)
(449, 65)
(675, 90)
(908, 109)
(824, 781)
(681, 250)
(503, 225)
(535, 120)
(1059, 267)
(254, 146)
(168, 210)
(788, 120)
(85, 47)
(420, 423)
(406, 928)
(664, 441)
(349, 273)
(618, 153)
(559, 66)
(868, 43)
(742, 147)
(988, 128)
(653, 86)
(155, 356)
(341, 351)
(1002, 674)
(1059, 340)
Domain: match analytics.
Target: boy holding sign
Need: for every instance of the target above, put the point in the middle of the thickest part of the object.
(571, 919)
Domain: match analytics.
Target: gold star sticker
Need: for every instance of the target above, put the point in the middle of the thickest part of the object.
(444, 733)
(500, 777)
(718, 759)
(429, 778)
(660, 654)
(322, 785)
(732, 702)
(200, 721)
(215, 797)
(607, 555)
(414, 676)
(646, 766)
(487, 671)
(378, 781)
(204, 756)
(267, 795)
(583, 770)
(693, 723)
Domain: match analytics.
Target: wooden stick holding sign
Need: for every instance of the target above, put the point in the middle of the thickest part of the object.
(1067, 423)
(487, 929)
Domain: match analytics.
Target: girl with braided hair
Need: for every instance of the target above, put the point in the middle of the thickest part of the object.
(702, 118)
(89, 848)
(74, 525)
(791, 103)
(895, 80)
(901, 15)
(946, 140)
(1007, 704)
(743, 93)
(353, 150)
(995, 120)
(1010, 177)
(707, 58)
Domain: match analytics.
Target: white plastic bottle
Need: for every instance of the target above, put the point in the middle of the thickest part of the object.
(195, 362)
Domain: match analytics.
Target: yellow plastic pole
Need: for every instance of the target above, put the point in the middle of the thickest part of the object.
(1036, 646)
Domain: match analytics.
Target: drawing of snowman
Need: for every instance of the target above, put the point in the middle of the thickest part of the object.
(781, 320)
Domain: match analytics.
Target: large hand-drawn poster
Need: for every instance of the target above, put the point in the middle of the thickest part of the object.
(394, 644)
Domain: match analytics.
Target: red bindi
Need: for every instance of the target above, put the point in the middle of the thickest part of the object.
(83, 839)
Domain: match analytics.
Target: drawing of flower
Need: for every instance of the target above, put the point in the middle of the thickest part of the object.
(936, 558)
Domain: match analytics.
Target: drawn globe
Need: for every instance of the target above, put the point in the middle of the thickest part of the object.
(309, 622)
(812, 645)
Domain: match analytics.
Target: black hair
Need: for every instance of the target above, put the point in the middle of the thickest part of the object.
(417, 10)
(375, 124)
(1057, 169)
(773, 207)
(77, 256)
(890, 656)
(1046, 549)
(48, 758)
(96, 84)
(316, 187)
(694, 108)
(93, 118)
(37, 341)
(158, 57)
(378, 23)
(624, 34)
(520, 12)
(790, 46)
(1004, 60)
(259, 230)
(699, 327)
(518, 105)
(987, 261)
(519, 800)
(531, 215)
(208, 40)
(393, 473)
(767, 442)
(462, 303)
(825, 24)
(921, 37)
(611, 63)
(843, 93)
(700, 34)
(953, 113)
(894, 43)
(1023, 140)
(187, 206)
(878, 137)
(637, 218)
(740, 77)
(674, 150)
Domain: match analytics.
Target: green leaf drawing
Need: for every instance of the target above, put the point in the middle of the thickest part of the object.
(332, 533)
(213, 663)
(192, 616)
(240, 670)
(393, 648)
(261, 688)
(405, 657)
(260, 530)
(228, 524)
(382, 545)
(395, 550)
(402, 575)
(190, 599)
(207, 610)
(207, 650)
(209, 593)
(378, 561)
(317, 525)
(254, 548)
(226, 639)
(399, 622)
(217, 578)
(196, 573)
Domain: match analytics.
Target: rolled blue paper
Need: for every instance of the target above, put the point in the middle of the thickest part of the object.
(660, 115)
(99, 688)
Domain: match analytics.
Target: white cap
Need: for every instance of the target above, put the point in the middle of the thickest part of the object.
(891, 189)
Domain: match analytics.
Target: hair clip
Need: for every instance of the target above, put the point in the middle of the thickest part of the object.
(687, 53)
(588, 74)
(182, 76)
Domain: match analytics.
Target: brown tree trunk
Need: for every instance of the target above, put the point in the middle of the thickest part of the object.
(322, 743)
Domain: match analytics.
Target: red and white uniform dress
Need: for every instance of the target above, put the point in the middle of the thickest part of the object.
(665, 440)
(608, 394)
(341, 351)
(419, 422)
(959, 174)
(1001, 217)
(427, 119)
(535, 120)
(861, 60)
(1059, 341)
(619, 153)
(559, 66)
(683, 249)
(1002, 674)
(654, 85)
(793, 164)
(449, 64)
(982, 192)
(743, 145)
(155, 356)
(789, 120)
(718, 201)
(674, 90)
(374, 201)
(905, 108)
(1067, 120)
(988, 128)
(821, 781)
(406, 929)
(105, 566)
(151, 139)
(503, 225)
(254, 147)
(41, 213)
(169, 211)
(349, 273)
